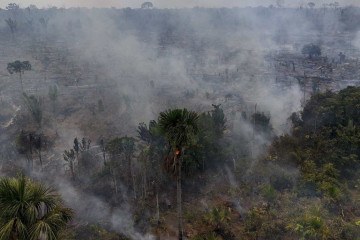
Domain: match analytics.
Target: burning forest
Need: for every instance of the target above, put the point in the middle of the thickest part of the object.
(181, 120)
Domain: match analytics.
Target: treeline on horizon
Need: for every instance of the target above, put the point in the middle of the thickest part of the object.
(147, 19)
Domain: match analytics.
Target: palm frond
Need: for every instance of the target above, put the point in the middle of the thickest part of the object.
(6, 229)
(30, 210)
(179, 126)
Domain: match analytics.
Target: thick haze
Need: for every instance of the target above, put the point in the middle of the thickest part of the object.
(170, 3)
(137, 63)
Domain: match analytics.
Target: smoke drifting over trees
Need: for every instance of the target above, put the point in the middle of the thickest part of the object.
(192, 123)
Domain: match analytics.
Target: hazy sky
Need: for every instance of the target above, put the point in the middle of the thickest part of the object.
(166, 3)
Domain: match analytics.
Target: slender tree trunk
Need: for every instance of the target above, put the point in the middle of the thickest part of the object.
(31, 164)
(115, 185)
(72, 169)
(131, 176)
(203, 163)
(129, 172)
(145, 181)
(40, 147)
(31, 158)
(78, 162)
(113, 178)
(157, 207)
(104, 156)
(54, 107)
(28, 157)
(40, 159)
(179, 201)
(133, 181)
(21, 82)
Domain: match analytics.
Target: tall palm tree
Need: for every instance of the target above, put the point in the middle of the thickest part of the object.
(30, 211)
(179, 127)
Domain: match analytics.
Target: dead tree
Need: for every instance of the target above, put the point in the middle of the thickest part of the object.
(69, 157)
(12, 24)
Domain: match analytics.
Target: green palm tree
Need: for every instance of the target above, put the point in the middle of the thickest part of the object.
(179, 127)
(30, 211)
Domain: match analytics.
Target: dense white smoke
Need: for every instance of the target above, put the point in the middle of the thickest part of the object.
(96, 211)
